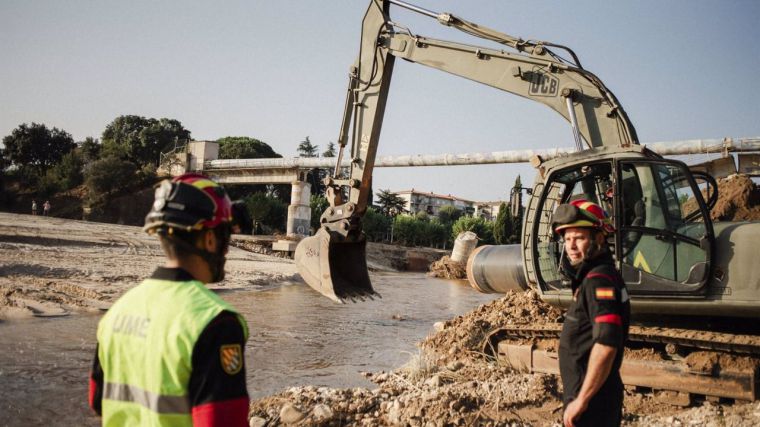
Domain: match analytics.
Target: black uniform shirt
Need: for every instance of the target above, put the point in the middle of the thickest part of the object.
(600, 313)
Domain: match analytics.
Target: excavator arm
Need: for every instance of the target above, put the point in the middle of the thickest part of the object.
(334, 260)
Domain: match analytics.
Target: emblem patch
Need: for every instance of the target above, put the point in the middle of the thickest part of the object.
(605, 293)
(231, 357)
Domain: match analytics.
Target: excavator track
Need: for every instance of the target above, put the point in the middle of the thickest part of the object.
(682, 364)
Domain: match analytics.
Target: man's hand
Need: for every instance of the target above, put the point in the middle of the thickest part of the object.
(573, 411)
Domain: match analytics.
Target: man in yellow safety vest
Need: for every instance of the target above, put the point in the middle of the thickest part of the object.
(170, 351)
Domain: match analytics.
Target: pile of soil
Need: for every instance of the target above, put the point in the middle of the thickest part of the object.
(738, 200)
(462, 338)
(445, 268)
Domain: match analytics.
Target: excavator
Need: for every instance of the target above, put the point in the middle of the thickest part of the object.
(677, 263)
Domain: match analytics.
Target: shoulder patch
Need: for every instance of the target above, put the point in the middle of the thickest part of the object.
(231, 357)
(605, 293)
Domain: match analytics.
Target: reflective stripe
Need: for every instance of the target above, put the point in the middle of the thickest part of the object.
(601, 275)
(609, 318)
(154, 402)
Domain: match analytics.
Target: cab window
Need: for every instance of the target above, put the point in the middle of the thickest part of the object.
(662, 227)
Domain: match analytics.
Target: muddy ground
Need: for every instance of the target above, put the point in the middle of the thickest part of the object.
(54, 267)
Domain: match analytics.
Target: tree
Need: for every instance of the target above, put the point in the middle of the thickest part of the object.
(318, 205)
(502, 227)
(243, 147)
(37, 147)
(479, 226)
(449, 214)
(330, 152)
(109, 176)
(391, 204)
(89, 150)
(141, 140)
(307, 149)
(269, 211)
(375, 225)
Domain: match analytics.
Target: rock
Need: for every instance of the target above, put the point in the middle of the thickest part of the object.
(434, 381)
(439, 326)
(394, 413)
(257, 422)
(381, 378)
(455, 366)
(322, 412)
(289, 414)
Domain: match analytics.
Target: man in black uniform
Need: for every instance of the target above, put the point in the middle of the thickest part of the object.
(596, 324)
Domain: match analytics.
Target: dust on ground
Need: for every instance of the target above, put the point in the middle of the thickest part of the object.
(738, 200)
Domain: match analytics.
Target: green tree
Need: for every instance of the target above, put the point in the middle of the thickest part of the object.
(108, 176)
(36, 147)
(142, 140)
(330, 152)
(502, 227)
(318, 205)
(479, 226)
(391, 204)
(449, 214)
(307, 149)
(269, 211)
(243, 147)
(375, 225)
(89, 150)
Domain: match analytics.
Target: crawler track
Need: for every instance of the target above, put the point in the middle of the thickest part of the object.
(686, 363)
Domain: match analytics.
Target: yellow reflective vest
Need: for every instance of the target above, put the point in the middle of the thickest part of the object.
(146, 342)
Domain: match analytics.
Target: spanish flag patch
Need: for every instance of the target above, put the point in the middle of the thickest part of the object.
(605, 293)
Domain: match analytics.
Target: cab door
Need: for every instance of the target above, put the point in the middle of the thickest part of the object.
(665, 236)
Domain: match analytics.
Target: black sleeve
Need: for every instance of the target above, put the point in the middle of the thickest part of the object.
(95, 395)
(604, 300)
(218, 371)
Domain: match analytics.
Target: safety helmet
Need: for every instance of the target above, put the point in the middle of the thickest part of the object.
(581, 214)
(189, 202)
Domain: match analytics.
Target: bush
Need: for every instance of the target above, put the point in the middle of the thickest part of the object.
(479, 226)
(267, 210)
(412, 231)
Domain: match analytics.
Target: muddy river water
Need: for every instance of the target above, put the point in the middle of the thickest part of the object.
(297, 337)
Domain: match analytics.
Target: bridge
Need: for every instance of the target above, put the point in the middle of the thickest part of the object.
(202, 156)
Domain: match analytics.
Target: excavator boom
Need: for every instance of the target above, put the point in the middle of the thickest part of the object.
(333, 261)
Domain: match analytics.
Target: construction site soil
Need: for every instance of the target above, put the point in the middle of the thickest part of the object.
(55, 267)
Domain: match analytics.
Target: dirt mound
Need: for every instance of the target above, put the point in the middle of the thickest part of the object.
(462, 337)
(445, 268)
(738, 200)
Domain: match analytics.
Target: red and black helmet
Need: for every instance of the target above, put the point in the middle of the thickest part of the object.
(581, 214)
(189, 202)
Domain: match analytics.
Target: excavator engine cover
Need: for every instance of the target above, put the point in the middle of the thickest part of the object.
(334, 267)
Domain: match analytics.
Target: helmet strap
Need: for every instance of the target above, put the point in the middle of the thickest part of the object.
(214, 260)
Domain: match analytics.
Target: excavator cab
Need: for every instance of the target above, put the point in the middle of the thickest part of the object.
(664, 244)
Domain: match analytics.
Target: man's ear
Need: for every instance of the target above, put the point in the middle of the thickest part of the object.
(209, 241)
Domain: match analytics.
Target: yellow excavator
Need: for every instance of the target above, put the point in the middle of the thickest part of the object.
(673, 258)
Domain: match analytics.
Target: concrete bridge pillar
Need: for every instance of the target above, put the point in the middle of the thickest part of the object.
(299, 211)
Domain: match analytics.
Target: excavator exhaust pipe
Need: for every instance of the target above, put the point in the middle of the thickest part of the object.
(334, 267)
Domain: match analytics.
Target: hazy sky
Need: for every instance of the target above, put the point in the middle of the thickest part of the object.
(277, 71)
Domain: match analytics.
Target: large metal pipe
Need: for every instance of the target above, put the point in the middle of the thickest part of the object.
(695, 146)
(496, 269)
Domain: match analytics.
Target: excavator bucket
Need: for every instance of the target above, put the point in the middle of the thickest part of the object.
(335, 269)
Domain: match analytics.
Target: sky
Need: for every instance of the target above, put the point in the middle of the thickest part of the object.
(277, 71)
